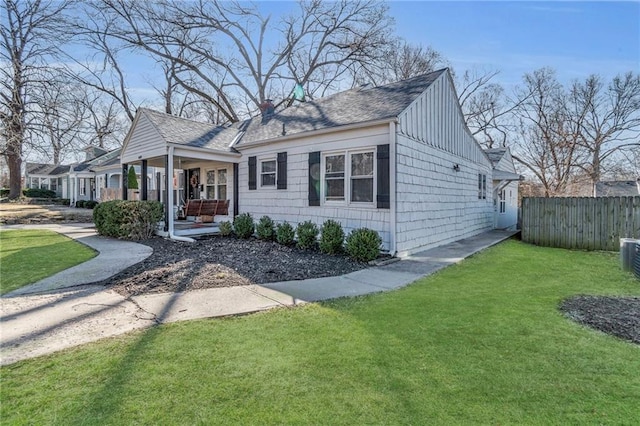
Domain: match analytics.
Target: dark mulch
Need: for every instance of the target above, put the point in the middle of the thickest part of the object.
(618, 316)
(223, 262)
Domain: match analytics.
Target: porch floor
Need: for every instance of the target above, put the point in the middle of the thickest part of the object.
(189, 228)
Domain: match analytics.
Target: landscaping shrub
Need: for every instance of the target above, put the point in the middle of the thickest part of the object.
(91, 204)
(135, 220)
(132, 181)
(285, 234)
(38, 193)
(266, 228)
(243, 225)
(4, 192)
(80, 204)
(63, 201)
(307, 234)
(226, 228)
(363, 244)
(331, 237)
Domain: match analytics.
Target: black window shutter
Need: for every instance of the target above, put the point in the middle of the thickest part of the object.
(252, 172)
(282, 171)
(383, 199)
(314, 178)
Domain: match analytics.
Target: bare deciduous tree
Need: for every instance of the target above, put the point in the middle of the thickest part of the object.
(30, 33)
(219, 51)
(607, 120)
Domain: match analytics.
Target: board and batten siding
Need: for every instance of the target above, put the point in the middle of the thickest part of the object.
(145, 142)
(292, 204)
(436, 204)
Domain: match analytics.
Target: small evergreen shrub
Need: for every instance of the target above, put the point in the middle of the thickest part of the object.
(132, 181)
(38, 193)
(331, 237)
(243, 225)
(63, 201)
(363, 244)
(285, 234)
(4, 192)
(226, 228)
(307, 234)
(91, 204)
(266, 228)
(134, 220)
(80, 204)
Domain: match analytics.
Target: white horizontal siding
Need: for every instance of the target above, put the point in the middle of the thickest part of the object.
(144, 142)
(291, 204)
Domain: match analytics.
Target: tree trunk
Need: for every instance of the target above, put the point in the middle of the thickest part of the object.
(15, 176)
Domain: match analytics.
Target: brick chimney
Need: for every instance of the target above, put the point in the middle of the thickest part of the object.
(267, 107)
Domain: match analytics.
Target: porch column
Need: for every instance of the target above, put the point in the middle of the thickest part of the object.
(143, 181)
(159, 186)
(125, 192)
(168, 184)
(236, 192)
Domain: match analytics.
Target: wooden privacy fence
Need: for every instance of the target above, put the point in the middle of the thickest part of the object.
(580, 223)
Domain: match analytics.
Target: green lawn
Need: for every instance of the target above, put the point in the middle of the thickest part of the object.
(27, 256)
(478, 343)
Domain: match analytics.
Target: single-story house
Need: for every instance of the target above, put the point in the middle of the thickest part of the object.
(98, 177)
(618, 188)
(398, 159)
(505, 188)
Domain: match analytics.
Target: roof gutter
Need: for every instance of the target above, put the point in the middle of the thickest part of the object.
(207, 150)
(316, 132)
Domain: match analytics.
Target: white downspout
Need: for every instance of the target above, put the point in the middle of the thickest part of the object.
(392, 189)
(169, 206)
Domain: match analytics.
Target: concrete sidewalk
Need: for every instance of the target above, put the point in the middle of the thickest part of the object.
(41, 324)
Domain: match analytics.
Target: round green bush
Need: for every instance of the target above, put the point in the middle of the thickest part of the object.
(307, 234)
(135, 220)
(266, 228)
(226, 228)
(38, 193)
(363, 244)
(285, 234)
(80, 204)
(91, 204)
(243, 225)
(331, 237)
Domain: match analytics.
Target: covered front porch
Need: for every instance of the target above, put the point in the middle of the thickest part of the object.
(196, 171)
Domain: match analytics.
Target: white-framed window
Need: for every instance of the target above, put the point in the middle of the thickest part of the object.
(349, 176)
(83, 186)
(503, 202)
(216, 184)
(35, 182)
(44, 183)
(54, 184)
(482, 186)
(268, 173)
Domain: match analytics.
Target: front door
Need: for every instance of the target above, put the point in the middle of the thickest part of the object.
(192, 183)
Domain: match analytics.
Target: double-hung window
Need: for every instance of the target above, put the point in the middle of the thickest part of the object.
(334, 177)
(482, 186)
(268, 173)
(349, 177)
(362, 177)
(216, 185)
(503, 201)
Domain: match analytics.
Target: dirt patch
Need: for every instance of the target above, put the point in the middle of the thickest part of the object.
(223, 262)
(16, 213)
(618, 316)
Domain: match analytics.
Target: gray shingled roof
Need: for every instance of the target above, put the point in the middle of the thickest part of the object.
(176, 130)
(617, 188)
(495, 154)
(353, 106)
(46, 169)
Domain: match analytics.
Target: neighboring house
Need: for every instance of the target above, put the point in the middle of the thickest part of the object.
(98, 177)
(505, 188)
(618, 188)
(398, 159)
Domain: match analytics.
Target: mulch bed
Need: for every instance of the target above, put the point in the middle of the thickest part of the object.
(223, 262)
(618, 316)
